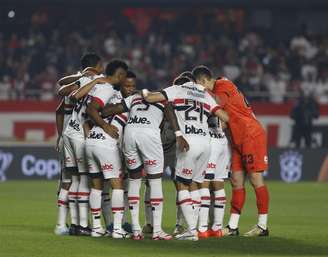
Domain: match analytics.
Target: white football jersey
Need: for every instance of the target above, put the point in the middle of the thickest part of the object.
(119, 121)
(143, 114)
(215, 129)
(75, 124)
(193, 106)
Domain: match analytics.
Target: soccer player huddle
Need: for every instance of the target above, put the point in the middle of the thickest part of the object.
(111, 139)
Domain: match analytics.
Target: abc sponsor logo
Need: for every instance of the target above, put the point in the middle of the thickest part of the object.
(131, 161)
(150, 162)
(32, 166)
(107, 167)
(186, 171)
(211, 165)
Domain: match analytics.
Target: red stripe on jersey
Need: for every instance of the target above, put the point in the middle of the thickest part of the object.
(124, 117)
(99, 101)
(207, 107)
(196, 202)
(216, 108)
(137, 99)
(179, 101)
(117, 209)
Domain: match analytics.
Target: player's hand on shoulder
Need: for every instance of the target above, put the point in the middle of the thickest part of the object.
(182, 143)
(111, 130)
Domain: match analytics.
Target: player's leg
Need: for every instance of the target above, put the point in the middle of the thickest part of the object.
(72, 170)
(83, 189)
(96, 191)
(204, 209)
(183, 177)
(106, 206)
(223, 166)
(256, 161)
(126, 225)
(134, 166)
(148, 227)
(62, 200)
(153, 158)
(238, 193)
(179, 228)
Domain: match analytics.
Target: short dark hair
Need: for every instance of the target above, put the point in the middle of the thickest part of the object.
(115, 64)
(189, 75)
(131, 75)
(200, 71)
(90, 60)
(181, 80)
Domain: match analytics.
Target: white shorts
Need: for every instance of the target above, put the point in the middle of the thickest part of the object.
(64, 174)
(191, 165)
(74, 151)
(105, 158)
(143, 148)
(219, 163)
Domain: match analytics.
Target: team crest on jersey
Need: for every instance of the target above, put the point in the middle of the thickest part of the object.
(291, 166)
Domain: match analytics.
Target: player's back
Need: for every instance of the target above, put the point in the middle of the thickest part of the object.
(143, 114)
(241, 117)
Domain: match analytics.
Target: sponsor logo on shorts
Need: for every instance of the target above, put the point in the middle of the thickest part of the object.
(96, 135)
(74, 125)
(131, 161)
(151, 162)
(211, 165)
(107, 167)
(187, 171)
(138, 120)
(193, 130)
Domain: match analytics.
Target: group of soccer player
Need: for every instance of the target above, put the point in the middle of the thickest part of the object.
(111, 138)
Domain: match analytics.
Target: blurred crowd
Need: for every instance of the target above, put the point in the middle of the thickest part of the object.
(36, 50)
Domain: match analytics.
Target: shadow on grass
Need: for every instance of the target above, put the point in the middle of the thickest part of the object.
(273, 246)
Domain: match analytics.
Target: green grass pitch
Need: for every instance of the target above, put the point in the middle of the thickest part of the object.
(298, 224)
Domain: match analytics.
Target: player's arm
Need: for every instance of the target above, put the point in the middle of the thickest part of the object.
(172, 118)
(59, 121)
(112, 109)
(152, 97)
(74, 77)
(93, 110)
(221, 114)
(83, 91)
(67, 89)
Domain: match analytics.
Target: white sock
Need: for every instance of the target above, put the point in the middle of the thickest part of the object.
(179, 214)
(95, 207)
(234, 220)
(195, 197)
(62, 202)
(126, 201)
(83, 200)
(185, 203)
(156, 200)
(72, 200)
(148, 207)
(204, 209)
(134, 200)
(106, 204)
(219, 206)
(263, 220)
(117, 207)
